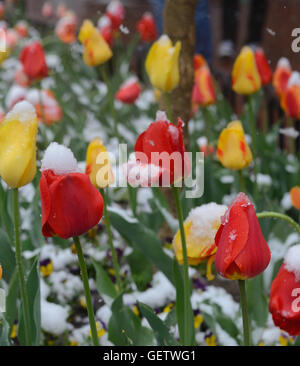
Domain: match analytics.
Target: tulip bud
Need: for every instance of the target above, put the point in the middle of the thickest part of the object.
(284, 302)
(98, 166)
(200, 228)
(162, 64)
(290, 99)
(233, 150)
(160, 154)
(129, 91)
(263, 67)
(242, 251)
(18, 145)
(34, 61)
(295, 197)
(71, 205)
(96, 50)
(47, 10)
(66, 28)
(203, 91)
(0, 272)
(115, 11)
(281, 76)
(147, 28)
(245, 76)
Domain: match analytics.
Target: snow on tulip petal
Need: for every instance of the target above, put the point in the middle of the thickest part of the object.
(59, 159)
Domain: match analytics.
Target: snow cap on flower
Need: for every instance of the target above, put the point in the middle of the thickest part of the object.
(284, 62)
(22, 111)
(292, 261)
(59, 159)
(294, 79)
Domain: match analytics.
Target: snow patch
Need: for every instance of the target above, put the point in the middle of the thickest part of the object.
(60, 159)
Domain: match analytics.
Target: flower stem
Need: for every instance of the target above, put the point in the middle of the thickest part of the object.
(277, 215)
(208, 121)
(85, 280)
(253, 137)
(242, 181)
(188, 327)
(246, 327)
(111, 102)
(110, 242)
(291, 141)
(169, 106)
(22, 284)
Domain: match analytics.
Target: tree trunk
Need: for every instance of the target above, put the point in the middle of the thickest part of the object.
(179, 25)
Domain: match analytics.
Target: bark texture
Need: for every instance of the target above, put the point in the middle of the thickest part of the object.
(179, 25)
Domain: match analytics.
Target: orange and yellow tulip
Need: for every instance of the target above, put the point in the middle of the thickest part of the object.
(281, 76)
(245, 76)
(96, 50)
(233, 150)
(290, 100)
(295, 197)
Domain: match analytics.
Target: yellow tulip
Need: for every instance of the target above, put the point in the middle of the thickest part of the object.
(18, 145)
(233, 150)
(96, 50)
(98, 165)
(200, 228)
(162, 64)
(245, 76)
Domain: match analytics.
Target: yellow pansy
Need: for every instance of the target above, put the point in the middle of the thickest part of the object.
(18, 145)
(100, 331)
(245, 76)
(96, 50)
(162, 64)
(200, 228)
(233, 150)
(98, 165)
(46, 267)
(198, 320)
(211, 340)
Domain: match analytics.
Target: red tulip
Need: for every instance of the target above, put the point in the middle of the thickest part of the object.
(281, 76)
(115, 11)
(34, 61)
(129, 91)
(47, 10)
(105, 28)
(284, 302)
(71, 205)
(263, 67)
(155, 148)
(242, 251)
(290, 100)
(147, 28)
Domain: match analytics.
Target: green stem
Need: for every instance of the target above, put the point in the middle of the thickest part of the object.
(292, 147)
(188, 327)
(111, 101)
(208, 120)
(110, 242)
(85, 280)
(169, 106)
(242, 181)
(277, 215)
(22, 284)
(253, 137)
(265, 109)
(246, 327)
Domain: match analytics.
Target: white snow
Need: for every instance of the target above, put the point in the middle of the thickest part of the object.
(14, 94)
(204, 219)
(289, 132)
(22, 111)
(292, 261)
(294, 79)
(284, 62)
(286, 202)
(60, 159)
(54, 318)
(161, 116)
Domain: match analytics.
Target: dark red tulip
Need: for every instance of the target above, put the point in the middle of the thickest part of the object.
(71, 205)
(34, 61)
(284, 302)
(147, 28)
(242, 251)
